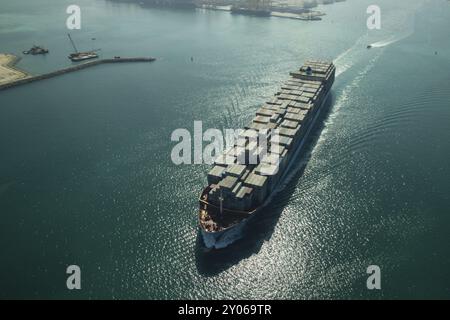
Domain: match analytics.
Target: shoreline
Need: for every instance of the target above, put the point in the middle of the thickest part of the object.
(302, 14)
(295, 11)
(9, 73)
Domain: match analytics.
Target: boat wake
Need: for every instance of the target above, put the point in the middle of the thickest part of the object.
(384, 43)
(398, 24)
(390, 40)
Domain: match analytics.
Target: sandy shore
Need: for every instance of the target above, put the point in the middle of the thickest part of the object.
(8, 73)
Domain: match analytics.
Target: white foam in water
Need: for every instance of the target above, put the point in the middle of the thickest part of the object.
(384, 43)
(391, 40)
(347, 59)
(397, 24)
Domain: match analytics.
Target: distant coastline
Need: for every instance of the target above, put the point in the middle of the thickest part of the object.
(292, 9)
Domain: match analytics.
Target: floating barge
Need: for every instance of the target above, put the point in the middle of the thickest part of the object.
(245, 177)
(81, 56)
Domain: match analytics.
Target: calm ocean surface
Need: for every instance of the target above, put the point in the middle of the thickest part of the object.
(86, 176)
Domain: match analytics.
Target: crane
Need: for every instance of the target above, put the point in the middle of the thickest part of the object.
(73, 43)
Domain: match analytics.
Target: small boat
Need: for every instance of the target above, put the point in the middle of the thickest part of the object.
(369, 46)
(36, 50)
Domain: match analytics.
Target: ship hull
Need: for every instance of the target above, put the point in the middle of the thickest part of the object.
(77, 58)
(222, 239)
(81, 59)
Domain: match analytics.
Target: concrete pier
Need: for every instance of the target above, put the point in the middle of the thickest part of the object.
(74, 68)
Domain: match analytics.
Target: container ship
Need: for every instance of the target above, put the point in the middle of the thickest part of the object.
(238, 188)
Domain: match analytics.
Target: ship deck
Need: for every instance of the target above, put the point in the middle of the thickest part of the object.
(212, 219)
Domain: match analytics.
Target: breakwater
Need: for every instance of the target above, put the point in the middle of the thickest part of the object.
(74, 68)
